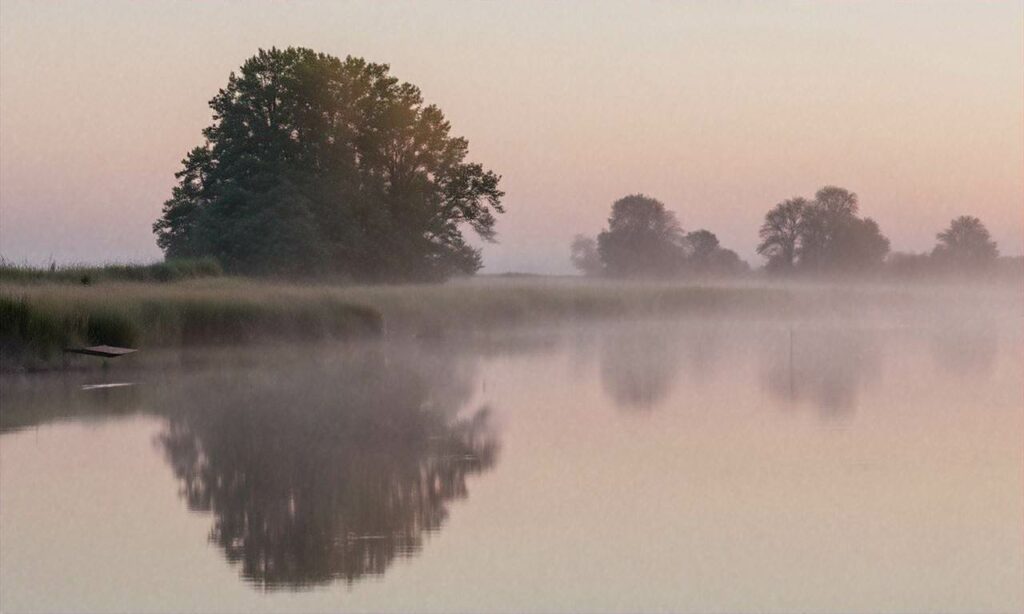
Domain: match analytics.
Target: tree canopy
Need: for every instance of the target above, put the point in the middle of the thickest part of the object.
(822, 235)
(965, 244)
(584, 256)
(317, 165)
(644, 239)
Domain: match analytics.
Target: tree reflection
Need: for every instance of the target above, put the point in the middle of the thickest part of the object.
(965, 350)
(331, 474)
(639, 366)
(825, 368)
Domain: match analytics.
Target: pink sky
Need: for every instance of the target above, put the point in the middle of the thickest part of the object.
(718, 109)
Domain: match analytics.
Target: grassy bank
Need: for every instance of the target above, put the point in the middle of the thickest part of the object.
(38, 320)
(158, 272)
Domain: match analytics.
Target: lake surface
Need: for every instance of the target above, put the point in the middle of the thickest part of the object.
(647, 466)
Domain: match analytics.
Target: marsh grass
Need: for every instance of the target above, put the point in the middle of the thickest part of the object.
(159, 272)
(39, 319)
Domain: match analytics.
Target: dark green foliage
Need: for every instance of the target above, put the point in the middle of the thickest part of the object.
(108, 327)
(28, 331)
(824, 235)
(33, 332)
(316, 165)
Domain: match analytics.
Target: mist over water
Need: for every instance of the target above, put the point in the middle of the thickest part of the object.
(865, 461)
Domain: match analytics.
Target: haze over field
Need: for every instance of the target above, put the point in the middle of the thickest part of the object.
(718, 111)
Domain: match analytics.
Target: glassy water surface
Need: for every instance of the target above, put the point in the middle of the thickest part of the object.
(686, 466)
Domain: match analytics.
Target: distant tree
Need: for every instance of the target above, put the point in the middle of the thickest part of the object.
(966, 244)
(703, 245)
(780, 233)
(319, 165)
(705, 256)
(643, 239)
(827, 218)
(585, 258)
(727, 262)
(823, 235)
(859, 245)
(909, 265)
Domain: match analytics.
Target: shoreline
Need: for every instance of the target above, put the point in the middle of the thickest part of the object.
(39, 320)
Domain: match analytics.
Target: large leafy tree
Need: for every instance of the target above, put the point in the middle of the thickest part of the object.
(643, 239)
(319, 165)
(965, 244)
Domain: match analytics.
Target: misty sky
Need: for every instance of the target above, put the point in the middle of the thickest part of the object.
(718, 109)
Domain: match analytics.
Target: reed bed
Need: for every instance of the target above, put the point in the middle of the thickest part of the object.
(158, 272)
(38, 320)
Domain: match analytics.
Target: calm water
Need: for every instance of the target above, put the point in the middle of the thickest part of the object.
(701, 466)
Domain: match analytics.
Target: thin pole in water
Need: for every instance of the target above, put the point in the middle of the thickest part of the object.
(791, 363)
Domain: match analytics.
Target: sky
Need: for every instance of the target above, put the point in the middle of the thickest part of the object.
(718, 109)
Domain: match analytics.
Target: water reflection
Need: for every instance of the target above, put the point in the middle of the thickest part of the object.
(328, 475)
(639, 366)
(825, 368)
(314, 467)
(965, 351)
(27, 401)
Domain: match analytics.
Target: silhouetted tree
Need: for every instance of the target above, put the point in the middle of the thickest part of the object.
(780, 233)
(966, 244)
(859, 246)
(703, 244)
(705, 256)
(319, 165)
(727, 262)
(823, 224)
(585, 258)
(824, 235)
(643, 239)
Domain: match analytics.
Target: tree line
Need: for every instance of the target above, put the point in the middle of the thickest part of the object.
(317, 166)
(644, 238)
(823, 235)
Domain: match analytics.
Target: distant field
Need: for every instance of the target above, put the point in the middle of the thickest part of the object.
(38, 318)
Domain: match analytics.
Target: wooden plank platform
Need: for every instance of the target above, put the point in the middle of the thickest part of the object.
(106, 351)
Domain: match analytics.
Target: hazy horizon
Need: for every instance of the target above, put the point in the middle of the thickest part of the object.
(718, 111)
